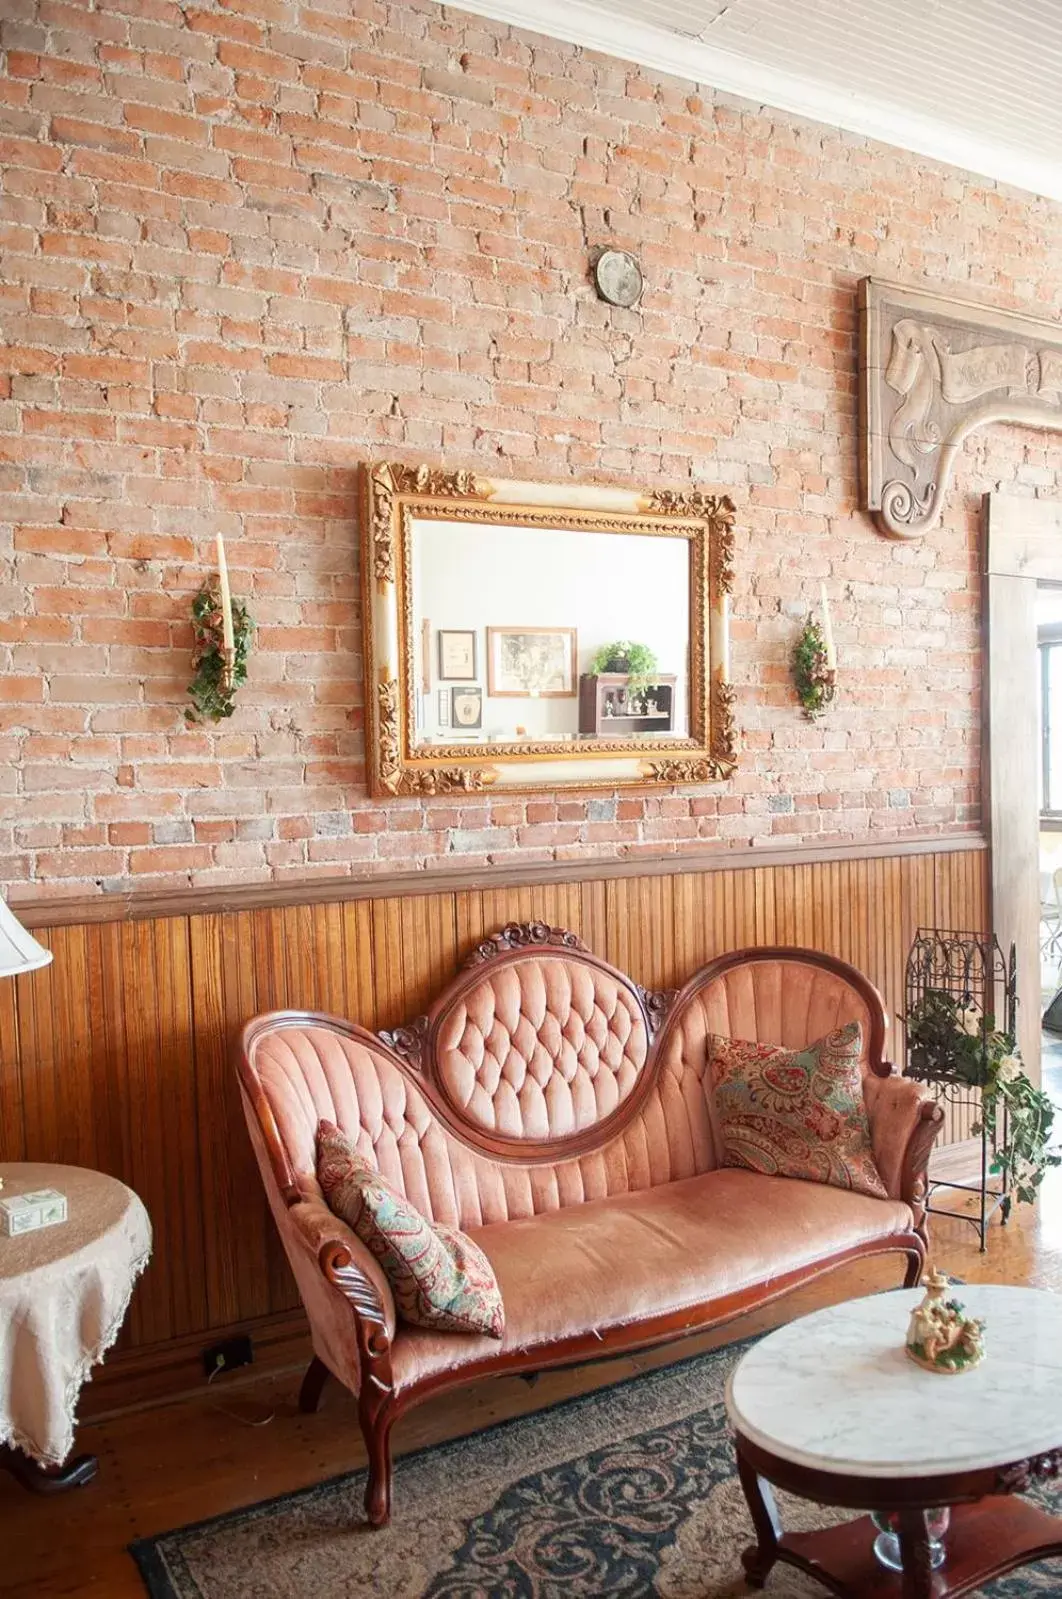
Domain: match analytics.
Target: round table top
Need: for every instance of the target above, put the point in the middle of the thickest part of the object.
(95, 1203)
(835, 1391)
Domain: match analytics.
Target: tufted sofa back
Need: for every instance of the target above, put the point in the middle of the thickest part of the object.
(770, 997)
(535, 1082)
(539, 1047)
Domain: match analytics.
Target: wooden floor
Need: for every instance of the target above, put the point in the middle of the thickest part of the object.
(163, 1467)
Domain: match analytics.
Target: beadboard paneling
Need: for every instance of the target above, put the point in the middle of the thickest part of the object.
(118, 1055)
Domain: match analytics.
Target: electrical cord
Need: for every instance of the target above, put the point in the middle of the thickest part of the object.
(233, 1415)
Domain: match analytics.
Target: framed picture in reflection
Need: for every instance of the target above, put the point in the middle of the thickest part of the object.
(457, 654)
(466, 709)
(535, 662)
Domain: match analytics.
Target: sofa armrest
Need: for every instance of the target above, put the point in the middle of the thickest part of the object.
(348, 1268)
(904, 1123)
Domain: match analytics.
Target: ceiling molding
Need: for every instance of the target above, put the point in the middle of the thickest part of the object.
(575, 22)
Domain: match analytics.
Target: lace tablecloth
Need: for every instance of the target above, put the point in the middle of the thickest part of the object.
(64, 1292)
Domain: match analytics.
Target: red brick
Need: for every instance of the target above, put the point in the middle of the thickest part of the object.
(172, 124)
(180, 775)
(128, 833)
(71, 130)
(21, 690)
(221, 298)
(80, 863)
(174, 859)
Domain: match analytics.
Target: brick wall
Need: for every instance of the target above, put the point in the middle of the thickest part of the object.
(247, 244)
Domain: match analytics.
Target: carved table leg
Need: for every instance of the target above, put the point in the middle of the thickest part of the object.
(914, 1551)
(48, 1479)
(759, 1557)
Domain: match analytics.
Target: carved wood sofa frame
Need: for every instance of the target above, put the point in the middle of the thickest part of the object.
(317, 1241)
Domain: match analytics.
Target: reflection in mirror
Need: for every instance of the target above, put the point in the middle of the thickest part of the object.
(548, 634)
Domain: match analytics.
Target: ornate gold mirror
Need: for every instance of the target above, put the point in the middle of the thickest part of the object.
(534, 635)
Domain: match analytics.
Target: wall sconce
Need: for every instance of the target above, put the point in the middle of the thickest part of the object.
(222, 632)
(815, 664)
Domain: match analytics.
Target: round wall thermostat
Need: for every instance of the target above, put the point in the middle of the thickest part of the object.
(618, 278)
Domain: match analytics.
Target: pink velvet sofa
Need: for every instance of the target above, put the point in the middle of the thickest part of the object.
(562, 1116)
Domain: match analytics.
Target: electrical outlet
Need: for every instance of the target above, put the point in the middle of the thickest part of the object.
(227, 1355)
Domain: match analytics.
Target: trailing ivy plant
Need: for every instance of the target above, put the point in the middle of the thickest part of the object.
(815, 679)
(637, 660)
(213, 698)
(1023, 1157)
(955, 1042)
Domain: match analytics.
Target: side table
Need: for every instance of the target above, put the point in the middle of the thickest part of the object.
(64, 1292)
(831, 1409)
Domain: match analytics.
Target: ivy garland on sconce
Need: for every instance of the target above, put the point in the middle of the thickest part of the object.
(815, 664)
(222, 633)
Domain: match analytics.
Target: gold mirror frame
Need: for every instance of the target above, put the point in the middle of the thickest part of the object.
(394, 495)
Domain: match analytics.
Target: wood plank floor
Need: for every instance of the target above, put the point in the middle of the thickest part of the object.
(181, 1462)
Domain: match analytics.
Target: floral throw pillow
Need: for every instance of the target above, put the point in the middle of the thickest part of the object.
(796, 1113)
(438, 1276)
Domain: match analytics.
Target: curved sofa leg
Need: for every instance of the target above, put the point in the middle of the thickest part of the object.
(317, 1374)
(376, 1423)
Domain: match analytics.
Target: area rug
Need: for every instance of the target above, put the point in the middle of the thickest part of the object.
(630, 1491)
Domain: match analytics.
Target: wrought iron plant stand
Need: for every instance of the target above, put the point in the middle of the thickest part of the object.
(971, 975)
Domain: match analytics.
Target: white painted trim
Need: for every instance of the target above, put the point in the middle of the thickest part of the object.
(1019, 549)
(1024, 537)
(575, 22)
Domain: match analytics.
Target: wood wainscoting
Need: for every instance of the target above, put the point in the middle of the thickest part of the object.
(116, 1056)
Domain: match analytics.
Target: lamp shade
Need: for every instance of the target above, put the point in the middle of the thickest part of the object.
(19, 950)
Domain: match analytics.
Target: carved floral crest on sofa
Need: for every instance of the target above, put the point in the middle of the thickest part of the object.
(562, 1116)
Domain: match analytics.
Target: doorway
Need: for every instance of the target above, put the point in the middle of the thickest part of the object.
(1022, 771)
(1049, 700)
(1023, 549)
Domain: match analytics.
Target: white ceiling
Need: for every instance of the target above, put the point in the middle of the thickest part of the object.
(977, 83)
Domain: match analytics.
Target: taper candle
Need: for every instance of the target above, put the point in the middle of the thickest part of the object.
(227, 633)
(827, 631)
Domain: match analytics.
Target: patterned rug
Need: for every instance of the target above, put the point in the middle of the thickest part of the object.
(630, 1491)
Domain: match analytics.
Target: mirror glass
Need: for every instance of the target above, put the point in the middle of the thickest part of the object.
(547, 634)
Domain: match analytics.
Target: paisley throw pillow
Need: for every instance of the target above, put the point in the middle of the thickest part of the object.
(438, 1276)
(796, 1113)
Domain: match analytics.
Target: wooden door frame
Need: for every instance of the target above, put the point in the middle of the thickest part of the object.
(1023, 547)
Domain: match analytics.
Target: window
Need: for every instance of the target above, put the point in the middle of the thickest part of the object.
(1050, 647)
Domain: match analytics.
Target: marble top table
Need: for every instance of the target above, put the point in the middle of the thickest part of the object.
(64, 1291)
(831, 1408)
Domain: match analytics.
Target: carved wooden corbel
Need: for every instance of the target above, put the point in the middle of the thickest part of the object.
(934, 369)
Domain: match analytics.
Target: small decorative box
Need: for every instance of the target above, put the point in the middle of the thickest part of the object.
(24, 1213)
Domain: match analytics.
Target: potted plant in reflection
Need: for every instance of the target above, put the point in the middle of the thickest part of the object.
(637, 660)
(624, 683)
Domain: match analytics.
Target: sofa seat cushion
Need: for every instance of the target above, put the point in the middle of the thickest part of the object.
(634, 1256)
